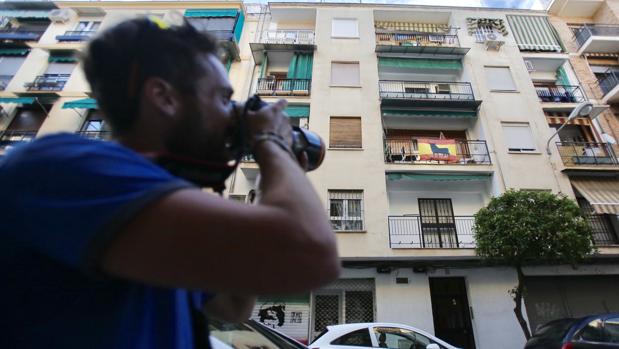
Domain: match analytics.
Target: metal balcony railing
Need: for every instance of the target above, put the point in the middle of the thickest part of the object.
(602, 229)
(9, 137)
(560, 94)
(414, 231)
(609, 81)
(48, 82)
(588, 154)
(292, 37)
(4, 81)
(588, 30)
(426, 90)
(27, 34)
(468, 152)
(105, 135)
(76, 35)
(283, 87)
(417, 39)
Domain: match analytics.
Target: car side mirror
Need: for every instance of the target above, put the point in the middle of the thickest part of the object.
(432, 346)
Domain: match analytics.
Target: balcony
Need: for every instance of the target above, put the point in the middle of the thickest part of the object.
(278, 41)
(414, 231)
(560, 94)
(21, 34)
(602, 229)
(598, 38)
(419, 43)
(588, 155)
(427, 94)
(283, 87)
(76, 35)
(48, 82)
(104, 135)
(610, 87)
(12, 137)
(468, 152)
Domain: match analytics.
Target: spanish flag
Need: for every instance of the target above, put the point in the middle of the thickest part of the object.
(437, 149)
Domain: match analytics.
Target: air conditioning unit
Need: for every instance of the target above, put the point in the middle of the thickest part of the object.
(493, 41)
(529, 65)
(61, 15)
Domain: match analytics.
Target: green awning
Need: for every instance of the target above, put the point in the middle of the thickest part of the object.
(24, 13)
(429, 113)
(14, 51)
(17, 100)
(62, 59)
(418, 63)
(395, 176)
(534, 33)
(86, 103)
(215, 12)
(298, 110)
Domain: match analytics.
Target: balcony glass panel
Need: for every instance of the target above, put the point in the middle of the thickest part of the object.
(588, 154)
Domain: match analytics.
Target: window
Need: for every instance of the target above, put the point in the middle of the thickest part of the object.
(358, 338)
(518, 137)
(612, 329)
(499, 79)
(8, 68)
(593, 332)
(345, 132)
(345, 28)
(400, 338)
(237, 197)
(59, 68)
(346, 210)
(87, 26)
(345, 74)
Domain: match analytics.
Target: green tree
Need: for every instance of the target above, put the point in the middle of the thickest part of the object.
(522, 228)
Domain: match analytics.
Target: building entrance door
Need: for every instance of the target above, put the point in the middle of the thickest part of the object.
(450, 309)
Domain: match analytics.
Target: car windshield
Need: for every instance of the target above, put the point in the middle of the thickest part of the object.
(250, 335)
(554, 330)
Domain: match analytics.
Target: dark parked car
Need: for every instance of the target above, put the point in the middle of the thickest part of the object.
(595, 331)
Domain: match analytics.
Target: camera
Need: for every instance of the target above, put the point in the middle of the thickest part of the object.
(302, 140)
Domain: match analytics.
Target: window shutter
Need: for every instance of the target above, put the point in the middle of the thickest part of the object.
(10, 65)
(345, 74)
(60, 68)
(345, 132)
(345, 28)
(500, 79)
(518, 137)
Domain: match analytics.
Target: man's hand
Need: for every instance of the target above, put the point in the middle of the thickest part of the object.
(229, 307)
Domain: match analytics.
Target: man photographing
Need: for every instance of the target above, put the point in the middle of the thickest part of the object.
(103, 248)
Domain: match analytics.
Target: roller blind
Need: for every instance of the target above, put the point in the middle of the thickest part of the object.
(345, 28)
(345, 132)
(499, 79)
(518, 137)
(10, 65)
(345, 74)
(60, 68)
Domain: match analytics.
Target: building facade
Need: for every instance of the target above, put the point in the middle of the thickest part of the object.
(428, 112)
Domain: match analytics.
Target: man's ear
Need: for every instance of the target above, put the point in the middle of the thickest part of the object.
(162, 96)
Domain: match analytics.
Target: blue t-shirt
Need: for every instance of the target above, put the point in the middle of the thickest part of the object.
(63, 199)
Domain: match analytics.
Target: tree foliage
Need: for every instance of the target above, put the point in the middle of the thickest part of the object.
(532, 227)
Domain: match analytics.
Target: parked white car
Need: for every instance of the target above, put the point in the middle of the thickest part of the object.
(377, 335)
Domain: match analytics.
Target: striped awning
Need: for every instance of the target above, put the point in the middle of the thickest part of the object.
(534, 33)
(212, 12)
(429, 113)
(472, 24)
(419, 63)
(14, 51)
(17, 100)
(62, 59)
(298, 110)
(412, 27)
(601, 54)
(435, 177)
(24, 13)
(602, 193)
(86, 103)
(560, 120)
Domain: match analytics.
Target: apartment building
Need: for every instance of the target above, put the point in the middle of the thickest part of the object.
(428, 112)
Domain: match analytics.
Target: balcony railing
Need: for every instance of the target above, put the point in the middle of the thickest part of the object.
(10, 137)
(291, 37)
(417, 39)
(468, 152)
(106, 135)
(602, 229)
(4, 81)
(609, 81)
(76, 35)
(426, 90)
(48, 82)
(414, 231)
(589, 30)
(283, 87)
(588, 154)
(25, 34)
(560, 94)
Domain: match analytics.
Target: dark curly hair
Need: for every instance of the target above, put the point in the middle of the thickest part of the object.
(119, 60)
